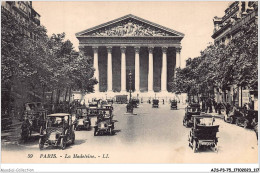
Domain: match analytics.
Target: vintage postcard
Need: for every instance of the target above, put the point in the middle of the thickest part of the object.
(129, 82)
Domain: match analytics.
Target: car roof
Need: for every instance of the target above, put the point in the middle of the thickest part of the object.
(59, 115)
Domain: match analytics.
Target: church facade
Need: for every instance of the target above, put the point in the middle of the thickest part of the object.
(149, 51)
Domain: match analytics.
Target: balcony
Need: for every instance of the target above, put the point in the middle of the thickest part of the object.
(243, 21)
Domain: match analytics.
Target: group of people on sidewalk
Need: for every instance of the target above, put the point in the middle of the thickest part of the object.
(207, 106)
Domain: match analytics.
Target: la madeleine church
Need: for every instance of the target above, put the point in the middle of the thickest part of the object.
(149, 51)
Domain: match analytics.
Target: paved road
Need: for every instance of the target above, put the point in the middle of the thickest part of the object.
(152, 136)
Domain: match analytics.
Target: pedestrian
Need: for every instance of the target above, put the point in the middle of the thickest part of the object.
(163, 101)
(210, 105)
(203, 106)
(228, 106)
(215, 105)
(219, 108)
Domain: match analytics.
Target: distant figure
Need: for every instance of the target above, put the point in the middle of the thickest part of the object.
(210, 105)
(163, 101)
(219, 108)
(228, 106)
(203, 106)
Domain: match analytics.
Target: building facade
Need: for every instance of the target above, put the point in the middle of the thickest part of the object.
(227, 27)
(150, 51)
(24, 13)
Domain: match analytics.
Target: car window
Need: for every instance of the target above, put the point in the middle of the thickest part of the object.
(206, 121)
(55, 122)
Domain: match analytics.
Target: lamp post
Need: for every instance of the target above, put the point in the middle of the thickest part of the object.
(130, 85)
(129, 106)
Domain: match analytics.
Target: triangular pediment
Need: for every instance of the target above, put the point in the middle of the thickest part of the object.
(129, 26)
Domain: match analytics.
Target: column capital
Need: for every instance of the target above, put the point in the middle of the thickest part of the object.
(150, 49)
(164, 49)
(123, 49)
(109, 49)
(95, 49)
(137, 49)
(178, 49)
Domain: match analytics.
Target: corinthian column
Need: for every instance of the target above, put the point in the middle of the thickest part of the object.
(123, 69)
(150, 70)
(137, 69)
(164, 70)
(95, 65)
(109, 69)
(178, 57)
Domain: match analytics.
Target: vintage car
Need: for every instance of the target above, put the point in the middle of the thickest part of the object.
(105, 104)
(110, 101)
(129, 107)
(92, 109)
(82, 119)
(203, 132)
(135, 102)
(58, 132)
(249, 118)
(155, 103)
(104, 123)
(121, 99)
(192, 109)
(173, 104)
(34, 118)
(233, 115)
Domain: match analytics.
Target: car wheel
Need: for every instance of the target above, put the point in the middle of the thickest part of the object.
(194, 146)
(62, 144)
(110, 131)
(245, 124)
(41, 145)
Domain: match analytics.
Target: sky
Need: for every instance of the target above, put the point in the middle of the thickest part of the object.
(193, 18)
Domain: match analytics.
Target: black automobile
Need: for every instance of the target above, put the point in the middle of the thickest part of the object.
(173, 104)
(59, 131)
(192, 109)
(203, 132)
(155, 103)
(135, 102)
(104, 123)
(93, 109)
(82, 119)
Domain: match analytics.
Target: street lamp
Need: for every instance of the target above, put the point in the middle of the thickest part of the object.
(129, 106)
(130, 85)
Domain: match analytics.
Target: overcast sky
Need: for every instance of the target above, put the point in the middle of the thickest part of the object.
(194, 19)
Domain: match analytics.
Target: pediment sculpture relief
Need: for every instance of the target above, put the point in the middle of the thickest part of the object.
(130, 29)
